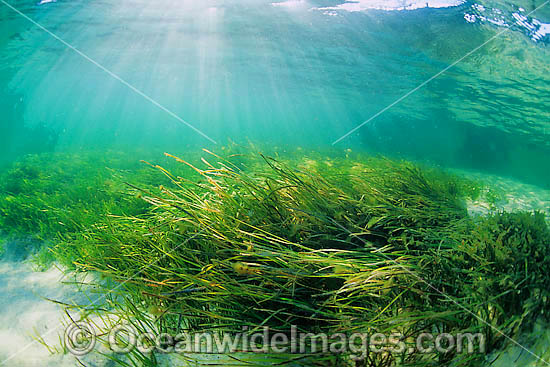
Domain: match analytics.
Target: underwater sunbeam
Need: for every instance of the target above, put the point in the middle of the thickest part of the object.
(115, 76)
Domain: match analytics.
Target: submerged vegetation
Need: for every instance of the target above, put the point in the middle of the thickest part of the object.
(47, 196)
(329, 245)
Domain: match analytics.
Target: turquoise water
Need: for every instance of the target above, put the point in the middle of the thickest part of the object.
(460, 84)
(296, 72)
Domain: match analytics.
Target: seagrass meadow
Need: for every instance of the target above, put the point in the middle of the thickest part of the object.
(329, 183)
(332, 242)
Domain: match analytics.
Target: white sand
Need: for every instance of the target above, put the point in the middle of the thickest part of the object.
(518, 195)
(532, 350)
(24, 314)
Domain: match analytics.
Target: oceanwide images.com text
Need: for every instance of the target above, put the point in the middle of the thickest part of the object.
(81, 338)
